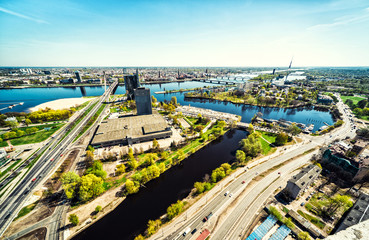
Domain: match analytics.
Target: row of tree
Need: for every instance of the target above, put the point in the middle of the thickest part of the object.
(18, 133)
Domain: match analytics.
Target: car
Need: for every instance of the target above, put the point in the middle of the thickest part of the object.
(230, 195)
(226, 193)
(279, 173)
(302, 204)
(51, 159)
(193, 231)
(243, 182)
(33, 179)
(61, 155)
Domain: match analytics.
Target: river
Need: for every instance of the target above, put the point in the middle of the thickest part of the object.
(35, 96)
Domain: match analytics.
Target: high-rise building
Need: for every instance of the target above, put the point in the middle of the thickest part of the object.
(79, 80)
(143, 101)
(131, 82)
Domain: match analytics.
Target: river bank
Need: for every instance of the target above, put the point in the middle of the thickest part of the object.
(64, 103)
(250, 104)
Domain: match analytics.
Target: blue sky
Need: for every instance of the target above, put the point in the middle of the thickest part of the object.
(184, 33)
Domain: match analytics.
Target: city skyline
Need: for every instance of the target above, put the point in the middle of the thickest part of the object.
(191, 33)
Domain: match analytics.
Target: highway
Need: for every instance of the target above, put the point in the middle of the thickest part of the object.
(10, 207)
(231, 227)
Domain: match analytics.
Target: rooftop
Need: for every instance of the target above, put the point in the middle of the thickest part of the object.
(303, 177)
(129, 127)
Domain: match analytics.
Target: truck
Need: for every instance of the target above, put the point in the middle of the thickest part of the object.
(207, 217)
(186, 231)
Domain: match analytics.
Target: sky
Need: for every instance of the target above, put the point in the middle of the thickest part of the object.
(184, 33)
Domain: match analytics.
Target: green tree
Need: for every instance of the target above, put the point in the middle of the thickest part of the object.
(293, 129)
(153, 226)
(240, 156)
(130, 187)
(303, 236)
(155, 144)
(227, 168)
(73, 219)
(250, 128)
(121, 168)
(91, 148)
(70, 181)
(98, 208)
(199, 186)
(153, 99)
(251, 145)
(139, 237)
(27, 122)
(1, 140)
(217, 174)
(91, 186)
(174, 209)
(281, 139)
(173, 100)
(97, 170)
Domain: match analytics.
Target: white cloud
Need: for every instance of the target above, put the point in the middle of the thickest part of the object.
(22, 16)
(345, 20)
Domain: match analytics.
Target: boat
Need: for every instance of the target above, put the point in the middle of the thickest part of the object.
(309, 129)
(21, 103)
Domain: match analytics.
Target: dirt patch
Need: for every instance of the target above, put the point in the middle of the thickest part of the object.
(108, 201)
(109, 168)
(38, 234)
(54, 184)
(44, 209)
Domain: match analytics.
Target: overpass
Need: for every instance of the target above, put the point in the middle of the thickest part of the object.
(49, 157)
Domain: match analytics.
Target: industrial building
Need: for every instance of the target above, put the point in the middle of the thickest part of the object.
(143, 101)
(301, 181)
(131, 82)
(130, 130)
(358, 213)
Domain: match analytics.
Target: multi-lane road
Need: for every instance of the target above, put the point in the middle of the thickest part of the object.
(52, 153)
(234, 224)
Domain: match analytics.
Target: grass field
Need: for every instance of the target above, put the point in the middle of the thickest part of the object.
(27, 209)
(269, 137)
(355, 99)
(38, 136)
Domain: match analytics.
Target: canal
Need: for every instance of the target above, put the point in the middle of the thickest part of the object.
(130, 218)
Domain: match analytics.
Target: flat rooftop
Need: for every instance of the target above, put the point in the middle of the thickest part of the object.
(130, 127)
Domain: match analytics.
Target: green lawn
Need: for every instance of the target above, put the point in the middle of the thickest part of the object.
(24, 211)
(269, 137)
(38, 136)
(353, 98)
(3, 144)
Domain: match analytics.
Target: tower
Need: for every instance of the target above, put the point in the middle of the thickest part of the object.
(143, 101)
(131, 82)
(79, 80)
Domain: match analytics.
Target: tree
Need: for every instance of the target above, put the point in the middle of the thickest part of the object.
(70, 181)
(303, 236)
(130, 187)
(73, 219)
(218, 174)
(27, 122)
(199, 186)
(251, 145)
(91, 148)
(281, 139)
(98, 208)
(153, 226)
(120, 169)
(293, 129)
(89, 158)
(173, 100)
(97, 170)
(91, 186)
(250, 129)
(132, 164)
(1, 140)
(155, 144)
(153, 99)
(139, 237)
(240, 156)
(227, 168)
(362, 103)
(174, 209)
